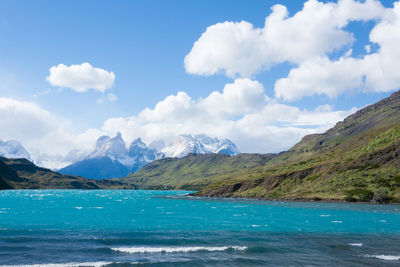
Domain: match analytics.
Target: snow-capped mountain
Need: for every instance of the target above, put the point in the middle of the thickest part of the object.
(13, 149)
(142, 154)
(199, 144)
(111, 158)
(114, 148)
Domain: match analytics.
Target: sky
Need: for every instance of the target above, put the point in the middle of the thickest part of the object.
(262, 73)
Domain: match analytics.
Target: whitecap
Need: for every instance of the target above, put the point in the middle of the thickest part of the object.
(325, 215)
(255, 225)
(382, 221)
(78, 208)
(356, 244)
(384, 257)
(69, 264)
(174, 249)
(336, 221)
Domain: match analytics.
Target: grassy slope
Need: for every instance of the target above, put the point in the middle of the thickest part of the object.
(358, 159)
(193, 171)
(23, 174)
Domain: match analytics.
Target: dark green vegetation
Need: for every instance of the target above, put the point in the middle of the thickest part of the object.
(192, 172)
(357, 160)
(23, 174)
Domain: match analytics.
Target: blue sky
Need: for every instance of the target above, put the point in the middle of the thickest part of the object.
(144, 43)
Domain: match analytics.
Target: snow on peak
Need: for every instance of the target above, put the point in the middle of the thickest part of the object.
(114, 148)
(199, 144)
(138, 154)
(138, 143)
(13, 149)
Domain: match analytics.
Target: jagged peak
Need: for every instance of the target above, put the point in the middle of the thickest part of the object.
(13, 149)
(118, 136)
(138, 142)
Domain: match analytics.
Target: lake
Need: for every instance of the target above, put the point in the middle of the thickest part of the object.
(169, 228)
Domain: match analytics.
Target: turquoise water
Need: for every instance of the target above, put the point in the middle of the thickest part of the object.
(123, 227)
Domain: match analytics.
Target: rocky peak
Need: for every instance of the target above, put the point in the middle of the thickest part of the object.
(111, 147)
(13, 149)
(199, 144)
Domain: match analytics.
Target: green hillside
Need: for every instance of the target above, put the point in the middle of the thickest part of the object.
(357, 160)
(23, 174)
(193, 171)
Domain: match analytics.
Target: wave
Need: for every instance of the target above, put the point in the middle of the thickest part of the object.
(384, 257)
(175, 249)
(356, 244)
(67, 264)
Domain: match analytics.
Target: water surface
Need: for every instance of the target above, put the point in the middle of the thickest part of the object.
(123, 228)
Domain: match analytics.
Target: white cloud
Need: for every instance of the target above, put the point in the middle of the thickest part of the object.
(237, 48)
(320, 76)
(110, 97)
(81, 78)
(374, 72)
(242, 113)
(20, 119)
(41, 93)
(43, 134)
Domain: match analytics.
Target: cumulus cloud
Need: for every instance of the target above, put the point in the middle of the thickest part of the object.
(241, 112)
(43, 134)
(373, 72)
(20, 119)
(81, 78)
(238, 48)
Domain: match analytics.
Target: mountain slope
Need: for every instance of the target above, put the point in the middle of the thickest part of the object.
(142, 154)
(111, 159)
(13, 149)
(23, 174)
(199, 144)
(358, 159)
(191, 172)
(97, 168)
(6, 174)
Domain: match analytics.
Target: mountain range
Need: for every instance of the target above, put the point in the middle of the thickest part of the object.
(356, 160)
(111, 158)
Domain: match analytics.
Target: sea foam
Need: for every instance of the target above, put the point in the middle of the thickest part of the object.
(384, 257)
(175, 249)
(67, 264)
(356, 244)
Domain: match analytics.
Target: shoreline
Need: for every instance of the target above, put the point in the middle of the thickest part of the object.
(298, 200)
(221, 197)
